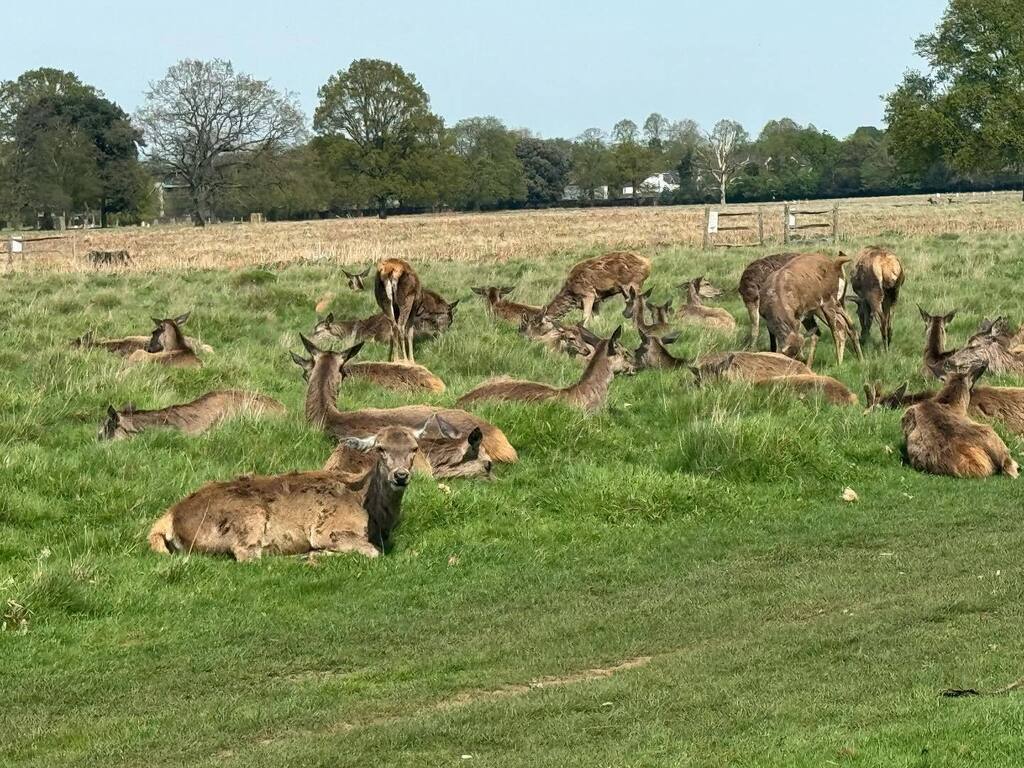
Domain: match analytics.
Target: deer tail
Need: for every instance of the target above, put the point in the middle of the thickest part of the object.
(162, 534)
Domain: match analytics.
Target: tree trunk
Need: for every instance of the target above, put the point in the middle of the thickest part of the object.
(723, 193)
(103, 213)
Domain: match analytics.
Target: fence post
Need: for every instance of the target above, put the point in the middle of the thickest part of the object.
(760, 225)
(785, 224)
(707, 220)
(835, 223)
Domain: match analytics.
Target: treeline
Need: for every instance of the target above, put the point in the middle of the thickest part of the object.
(212, 144)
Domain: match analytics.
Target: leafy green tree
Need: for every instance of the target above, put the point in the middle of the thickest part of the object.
(492, 172)
(546, 165)
(633, 160)
(592, 164)
(791, 161)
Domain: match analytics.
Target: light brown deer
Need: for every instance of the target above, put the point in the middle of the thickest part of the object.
(167, 346)
(434, 315)
(1002, 404)
(126, 345)
(941, 439)
(637, 306)
(810, 284)
(695, 313)
(504, 309)
(653, 353)
(589, 393)
(296, 513)
(832, 390)
(329, 368)
(995, 345)
(937, 359)
(192, 418)
(592, 281)
(748, 366)
(876, 281)
(356, 280)
(752, 281)
(400, 377)
(397, 290)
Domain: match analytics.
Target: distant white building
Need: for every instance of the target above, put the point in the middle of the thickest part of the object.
(572, 192)
(655, 184)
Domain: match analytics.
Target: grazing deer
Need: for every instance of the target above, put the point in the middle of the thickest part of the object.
(833, 390)
(636, 310)
(592, 281)
(748, 366)
(753, 279)
(1002, 404)
(355, 279)
(502, 308)
(589, 393)
(994, 345)
(296, 513)
(328, 371)
(433, 315)
(193, 418)
(876, 280)
(807, 285)
(694, 311)
(397, 290)
(167, 346)
(937, 360)
(653, 353)
(400, 377)
(373, 328)
(943, 440)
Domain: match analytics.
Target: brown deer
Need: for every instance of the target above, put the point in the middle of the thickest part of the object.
(748, 366)
(753, 279)
(810, 284)
(653, 353)
(876, 281)
(328, 371)
(937, 359)
(637, 305)
(356, 279)
(592, 281)
(995, 345)
(192, 418)
(695, 313)
(434, 315)
(167, 346)
(397, 290)
(126, 345)
(400, 377)
(1002, 404)
(832, 390)
(296, 513)
(941, 439)
(373, 328)
(572, 340)
(504, 309)
(589, 393)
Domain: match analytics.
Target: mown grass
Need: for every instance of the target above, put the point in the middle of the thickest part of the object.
(702, 528)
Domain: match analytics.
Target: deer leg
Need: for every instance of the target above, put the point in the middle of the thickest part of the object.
(754, 312)
(865, 314)
(837, 330)
(334, 542)
(848, 328)
(410, 335)
(588, 308)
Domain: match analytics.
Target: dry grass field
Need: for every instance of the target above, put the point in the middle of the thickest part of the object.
(505, 236)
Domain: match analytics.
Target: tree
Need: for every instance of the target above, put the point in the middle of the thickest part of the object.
(386, 136)
(722, 155)
(633, 161)
(546, 165)
(656, 130)
(17, 95)
(492, 173)
(203, 121)
(592, 164)
(967, 110)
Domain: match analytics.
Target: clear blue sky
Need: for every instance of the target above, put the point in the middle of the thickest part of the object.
(556, 68)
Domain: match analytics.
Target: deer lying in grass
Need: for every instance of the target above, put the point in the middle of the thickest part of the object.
(568, 339)
(943, 440)
(832, 390)
(400, 377)
(397, 290)
(653, 353)
(328, 371)
(937, 359)
(995, 345)
(356, 280)
(876, 280)
(748, 366)
(167, 346)
(504, 309)
(296, 513)
(637, 305)
(592, 281)
(810, 284)
(695, 313)
(433, 314)
(752, 281)
(589, 393)
(1002, 404)
(193, 418)
(126, 345)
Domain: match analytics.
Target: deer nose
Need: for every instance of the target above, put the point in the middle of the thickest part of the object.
(487, 465)
(401, 477)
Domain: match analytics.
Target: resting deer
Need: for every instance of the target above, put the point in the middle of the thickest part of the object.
(694, 311)
(943, 440)
(592, 281)
(748, 366)
(636, 310)
(937, 360)
(569, 339)
(126, 345)
(1002, 404)
(192, 418)
(589, 393)
(296, 513)
(993, 345)
(832, 390)
(400, 377)
(328, 371)
(356, 279)
(653, 353)
(373, 328)
(807, 285)
(167, 346)
(502, 308)
(752, 281)
(433, 315)
(876, 280)
(397, 290)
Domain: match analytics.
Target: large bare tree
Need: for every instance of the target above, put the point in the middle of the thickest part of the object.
(203, 119)
(723, 156)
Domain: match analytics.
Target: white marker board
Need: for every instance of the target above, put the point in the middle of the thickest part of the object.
(712, 222)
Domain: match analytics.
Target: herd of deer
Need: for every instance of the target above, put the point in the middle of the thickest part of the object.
(353, 502)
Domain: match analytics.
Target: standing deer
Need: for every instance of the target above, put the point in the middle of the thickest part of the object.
(695, 312)
(943, 440)
(502, 308)
(876, 280)
(192, 418)
(356, 279)
(167, 346)
(589, 393)
(592, 281)
(937, 360)
(397, 290)
(753, 279)
(296, 513)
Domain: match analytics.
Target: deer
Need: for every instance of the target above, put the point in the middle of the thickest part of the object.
(193, 418)
(810, 284)
(941, 439)
(400, 377)
(653, 353)
(694, 311)
(995, 345)
(1002, 404)
(433, 315)
(753, 279)
(297, 513)
(126, 345)
(504, 309)
(397, 289)
(748, 366)
(832, 390)
(589, 393)
(376, 327)
(592, 281)
(355, 280)
(572, 340)
(937, 360)
(876, 281)
(636, 310)
(329, 370)
(167, 346)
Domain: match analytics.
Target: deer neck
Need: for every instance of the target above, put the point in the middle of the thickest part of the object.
(322, 393)
(592, 388)
(693, 296)
(956, 395)
(936, 341)
(176, 341)
(561, 304)
(383, 505)
(666, 358)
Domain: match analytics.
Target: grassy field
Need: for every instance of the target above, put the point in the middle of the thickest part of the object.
(673, 581)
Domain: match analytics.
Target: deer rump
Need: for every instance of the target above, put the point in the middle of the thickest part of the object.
(941, 442)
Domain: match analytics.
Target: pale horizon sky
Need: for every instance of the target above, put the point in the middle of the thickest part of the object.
(546, 66)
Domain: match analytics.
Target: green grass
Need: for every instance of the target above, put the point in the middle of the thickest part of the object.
(702, 528)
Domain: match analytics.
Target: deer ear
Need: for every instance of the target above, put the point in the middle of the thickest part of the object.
(312, 348)
(671, 338)
(505, 290)
(924, 315)
(303, 363)
(418, 433)
(475, 437)
(900, 391)
(647, 294)
(447, 430)
(977, 372)
(360, 443)
(182, 319)
(615, 336)
(351, 352)
(453, 305)
(366, 271)
(112, 414)
(949, 318)
(157, 321)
